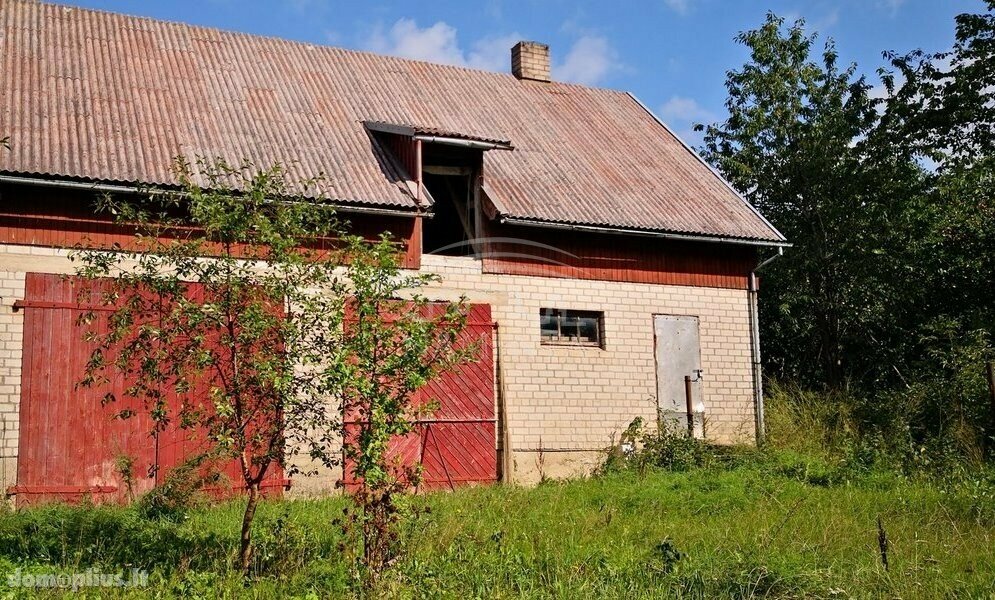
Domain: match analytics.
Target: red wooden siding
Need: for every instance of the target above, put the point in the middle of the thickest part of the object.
(457, 443)
(55, 218)
(587, 255)
(69, 441)
(407, 152)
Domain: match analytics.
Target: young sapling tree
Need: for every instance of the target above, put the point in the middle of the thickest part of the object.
(219, 310)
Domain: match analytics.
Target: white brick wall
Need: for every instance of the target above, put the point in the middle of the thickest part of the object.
(560, 398)
(568, 401)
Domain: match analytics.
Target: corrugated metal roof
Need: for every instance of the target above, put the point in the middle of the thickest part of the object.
(108, 97)
(421, 130)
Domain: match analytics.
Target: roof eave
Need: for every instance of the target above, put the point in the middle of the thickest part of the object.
(115, 188)
(668, 235)
(431, 135)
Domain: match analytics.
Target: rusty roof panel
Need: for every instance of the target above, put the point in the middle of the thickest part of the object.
(108, 97)
(421, 130)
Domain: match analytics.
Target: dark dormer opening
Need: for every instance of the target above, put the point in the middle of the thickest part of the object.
(442, 170)
(450, 176)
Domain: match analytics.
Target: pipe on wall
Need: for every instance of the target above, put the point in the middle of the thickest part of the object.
(758, 387)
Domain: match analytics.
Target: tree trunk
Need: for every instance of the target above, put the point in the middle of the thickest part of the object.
(245, 549)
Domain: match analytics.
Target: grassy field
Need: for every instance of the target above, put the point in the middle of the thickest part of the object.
(759, 525)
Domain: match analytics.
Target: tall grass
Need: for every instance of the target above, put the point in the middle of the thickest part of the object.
(814, 423)
(752, 529)
(798, 518)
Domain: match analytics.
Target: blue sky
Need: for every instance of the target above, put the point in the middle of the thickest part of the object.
(673, 54)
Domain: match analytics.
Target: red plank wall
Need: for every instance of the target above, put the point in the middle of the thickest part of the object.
(609, 257)
(457, 443)
(56, 218)
(70, 443)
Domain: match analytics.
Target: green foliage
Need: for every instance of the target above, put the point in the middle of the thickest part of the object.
(393, 343)
(245, 351)
(179, 492)
(884, 300)
(813, 423)
(104, 536)
(668, 447)
(794, 143)
(942, 103)
(949, 410)
(124, 466)
(290, 312)
(847, 437)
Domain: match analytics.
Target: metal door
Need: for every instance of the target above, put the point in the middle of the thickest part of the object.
(678, 355)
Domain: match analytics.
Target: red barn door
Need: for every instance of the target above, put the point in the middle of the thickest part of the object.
(456, 445)
(71, 445)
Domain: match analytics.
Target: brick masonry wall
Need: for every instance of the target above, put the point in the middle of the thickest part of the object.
(15, 262)
(571, 402)
(568, 402)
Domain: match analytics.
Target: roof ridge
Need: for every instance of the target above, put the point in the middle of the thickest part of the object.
(326, 47)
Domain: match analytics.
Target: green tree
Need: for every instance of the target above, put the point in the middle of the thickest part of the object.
(941, 104)
(245, 349)
(394, 342)
(796, 145)
(889, 203)
(292, 325)
(941, 110)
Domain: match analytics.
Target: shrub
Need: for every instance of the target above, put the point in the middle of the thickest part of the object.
(179, 491)
(666, 447)
(934, 427)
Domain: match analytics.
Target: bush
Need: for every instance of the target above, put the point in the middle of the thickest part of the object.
(180, 491)
(948, 410)
(666, 447)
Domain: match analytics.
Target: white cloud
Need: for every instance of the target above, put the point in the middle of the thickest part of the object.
(436, 43)
(878, 92)
(682, 113)
(680, 7)
(827, 21)
(685, 110)
(831, 19)
(439, 43)
(493, 53)
(588, 62)
(590, 59)
(891, 6)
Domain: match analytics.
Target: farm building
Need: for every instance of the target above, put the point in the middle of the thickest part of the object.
(604, 260)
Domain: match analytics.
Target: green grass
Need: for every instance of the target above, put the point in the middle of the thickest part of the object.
(779, 525)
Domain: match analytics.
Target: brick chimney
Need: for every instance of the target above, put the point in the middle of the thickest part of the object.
(530, 60)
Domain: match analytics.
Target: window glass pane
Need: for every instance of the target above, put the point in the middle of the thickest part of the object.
(568, 327)
(589, 329)
(548, 323)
